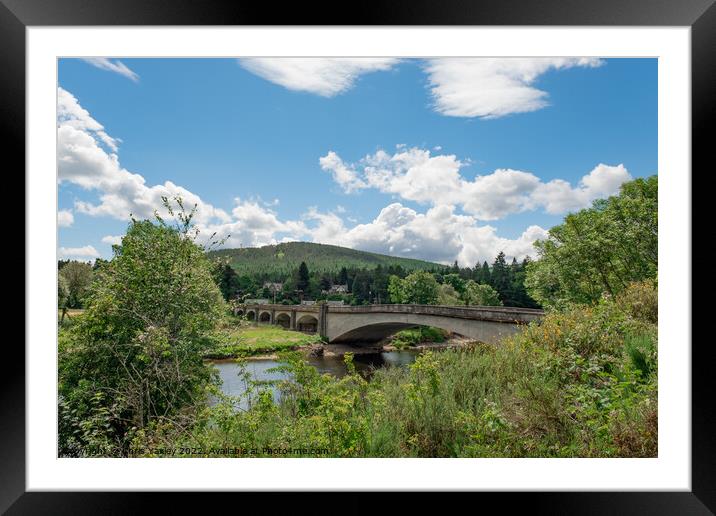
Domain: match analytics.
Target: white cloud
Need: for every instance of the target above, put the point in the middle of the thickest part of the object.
(327, 77)
(438, 235)
(84, 162)
(112, 239)
(65, 218)
(71, 114)
(492, 87)
(115, 66)
(78, 252)
(558, 196)
(346, 177)
(415, 175)
(252, 224)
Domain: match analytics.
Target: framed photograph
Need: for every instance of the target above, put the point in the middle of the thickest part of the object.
(422, 249)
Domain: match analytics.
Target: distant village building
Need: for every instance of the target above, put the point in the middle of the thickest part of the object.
(308, 302)
(256, 301)
(273, 287)
(336, 289)
(335, 303)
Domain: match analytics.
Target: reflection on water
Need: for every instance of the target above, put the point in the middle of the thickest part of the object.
(260, 369)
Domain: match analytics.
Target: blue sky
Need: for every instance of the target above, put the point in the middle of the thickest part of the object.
(441, 160)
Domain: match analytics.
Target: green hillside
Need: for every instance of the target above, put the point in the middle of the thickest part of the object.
(282, 259)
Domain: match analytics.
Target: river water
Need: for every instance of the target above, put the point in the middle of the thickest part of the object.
(260, 369)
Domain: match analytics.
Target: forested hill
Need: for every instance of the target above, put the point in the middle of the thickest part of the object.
(283, 259)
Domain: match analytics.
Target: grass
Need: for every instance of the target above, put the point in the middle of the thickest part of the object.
(234, 339)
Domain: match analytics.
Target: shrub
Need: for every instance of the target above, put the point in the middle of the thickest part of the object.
(641, 301)
(135, 355)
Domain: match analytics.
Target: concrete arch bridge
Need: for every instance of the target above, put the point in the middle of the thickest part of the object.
(372, 323)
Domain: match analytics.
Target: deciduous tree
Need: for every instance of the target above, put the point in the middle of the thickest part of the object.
(599, 250)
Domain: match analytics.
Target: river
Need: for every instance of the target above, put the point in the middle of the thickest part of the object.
(260, 368)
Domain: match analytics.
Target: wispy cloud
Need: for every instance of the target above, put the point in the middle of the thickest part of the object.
(327, 77)
(115, 66)
(493, 87)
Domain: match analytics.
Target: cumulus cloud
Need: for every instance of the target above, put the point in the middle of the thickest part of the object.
(557, 196)
(115, 66)
(84, 161)
(327, 77)
(65, 218)
(415, 175)
(493, 87)
(78, 252)
(439, 235)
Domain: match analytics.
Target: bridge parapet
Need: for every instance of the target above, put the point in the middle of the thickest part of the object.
(286, 308)
(484, 313)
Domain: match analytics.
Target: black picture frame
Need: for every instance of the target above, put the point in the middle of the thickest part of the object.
(700, 15)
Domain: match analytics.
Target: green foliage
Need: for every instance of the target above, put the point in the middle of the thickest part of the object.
(228, 281)
(480, 295)
(455, 281)
(63, 291)
(641, 300)
(396, 290)
(419, 287)
(361, 287)
(448, 296)
(302, 277)
(599, 250)
(77, 277)
(500, 274)
(135, 355)
(414, 336)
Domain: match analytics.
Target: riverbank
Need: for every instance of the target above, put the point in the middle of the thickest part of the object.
(265, 343)
(242, 340)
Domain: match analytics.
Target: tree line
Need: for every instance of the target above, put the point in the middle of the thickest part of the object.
(451, 284)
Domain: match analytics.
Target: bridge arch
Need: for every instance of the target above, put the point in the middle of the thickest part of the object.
(283, 319)
(307, 323)
(373, 332)
(374, 327)
(265, 317)
(251, 315)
